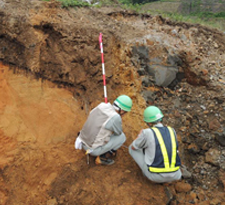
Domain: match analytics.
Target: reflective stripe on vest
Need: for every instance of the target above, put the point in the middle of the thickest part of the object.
(168, 167)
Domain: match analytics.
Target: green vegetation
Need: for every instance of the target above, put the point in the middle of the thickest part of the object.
(208, 15)
(83, 3)
(192, 11)
(204, 19)
(73, 3)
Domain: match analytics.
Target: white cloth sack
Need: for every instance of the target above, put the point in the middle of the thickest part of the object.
(78, 143)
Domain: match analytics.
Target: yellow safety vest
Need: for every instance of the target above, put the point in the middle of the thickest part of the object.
(168, 167)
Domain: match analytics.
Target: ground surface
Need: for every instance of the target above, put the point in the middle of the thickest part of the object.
(51, 78)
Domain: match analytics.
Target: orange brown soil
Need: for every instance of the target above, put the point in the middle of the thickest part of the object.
(50, 78)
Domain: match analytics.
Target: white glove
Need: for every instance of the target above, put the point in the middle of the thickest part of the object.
(78, 143)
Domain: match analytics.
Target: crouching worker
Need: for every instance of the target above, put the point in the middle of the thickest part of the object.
(102, 133)
(156, 149)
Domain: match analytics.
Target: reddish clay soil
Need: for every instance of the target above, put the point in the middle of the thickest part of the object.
(51, 77)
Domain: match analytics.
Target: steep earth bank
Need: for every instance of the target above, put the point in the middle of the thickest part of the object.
(51, 78)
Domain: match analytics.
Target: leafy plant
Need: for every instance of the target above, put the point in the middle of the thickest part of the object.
(220, 14)
(73, 3)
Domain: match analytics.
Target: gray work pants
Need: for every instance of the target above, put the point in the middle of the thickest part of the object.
(139, 158)
(114, 143)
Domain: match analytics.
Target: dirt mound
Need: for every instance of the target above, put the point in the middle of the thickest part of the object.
(51, 78)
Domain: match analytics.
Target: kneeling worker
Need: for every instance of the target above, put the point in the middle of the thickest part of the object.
(102, 133)
(156, 149)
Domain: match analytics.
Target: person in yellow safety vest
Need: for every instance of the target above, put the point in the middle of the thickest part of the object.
(102, 133)
(155, 150)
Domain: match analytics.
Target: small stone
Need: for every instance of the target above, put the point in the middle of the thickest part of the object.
(213, 156)
(52, 202)
(204, 72)
(182, 187)
(214, 125)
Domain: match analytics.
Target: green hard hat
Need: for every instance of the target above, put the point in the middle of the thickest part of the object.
(152, 114)
(124, 102)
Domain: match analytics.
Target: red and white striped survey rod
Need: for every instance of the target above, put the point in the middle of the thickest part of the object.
(103, 67)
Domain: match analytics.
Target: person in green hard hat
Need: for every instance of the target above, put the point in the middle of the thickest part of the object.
(155, 150)
(102, 133)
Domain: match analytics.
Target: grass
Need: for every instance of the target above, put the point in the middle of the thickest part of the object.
(158, 7)
(73, 3)
(207, 20)
(170, 10)
(80, 3)
(213, 22)
(165, 8)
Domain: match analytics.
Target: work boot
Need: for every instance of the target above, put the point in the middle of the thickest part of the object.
(111, 153)
(103, 160)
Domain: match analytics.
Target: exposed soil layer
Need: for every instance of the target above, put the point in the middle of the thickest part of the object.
(51, 78)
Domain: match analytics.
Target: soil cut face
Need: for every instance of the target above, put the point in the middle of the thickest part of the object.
(51, 78)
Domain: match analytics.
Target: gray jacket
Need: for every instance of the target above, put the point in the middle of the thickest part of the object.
(102, 122)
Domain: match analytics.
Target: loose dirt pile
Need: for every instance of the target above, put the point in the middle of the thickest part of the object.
(51, 78)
